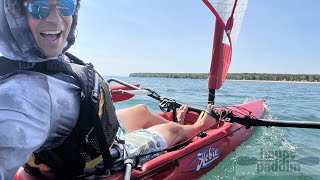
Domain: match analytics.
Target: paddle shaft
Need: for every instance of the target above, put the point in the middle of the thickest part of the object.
(153, 95)
(248, 122)
(297, 124)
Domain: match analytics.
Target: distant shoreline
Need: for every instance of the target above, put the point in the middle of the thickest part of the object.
(268, 81)
(261, 77)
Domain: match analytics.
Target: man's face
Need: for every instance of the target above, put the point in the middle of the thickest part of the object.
(51, 32)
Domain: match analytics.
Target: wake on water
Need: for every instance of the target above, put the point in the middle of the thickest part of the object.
(259, 147)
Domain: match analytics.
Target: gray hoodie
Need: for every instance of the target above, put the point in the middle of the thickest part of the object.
(36, 111)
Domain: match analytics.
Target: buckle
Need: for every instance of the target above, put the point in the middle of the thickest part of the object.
(95, 96)
(25, 65)
(54, 66)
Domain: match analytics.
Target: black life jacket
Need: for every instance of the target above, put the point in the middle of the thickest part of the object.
(96, 128)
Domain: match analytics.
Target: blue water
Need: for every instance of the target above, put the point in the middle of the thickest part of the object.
(286, 101)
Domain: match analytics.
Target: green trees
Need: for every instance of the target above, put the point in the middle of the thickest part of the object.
(237, 76)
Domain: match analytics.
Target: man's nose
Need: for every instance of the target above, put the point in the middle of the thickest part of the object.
(54, 16)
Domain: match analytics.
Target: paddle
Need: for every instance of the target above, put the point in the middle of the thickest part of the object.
(118, 96)
(152, 94)
(227, 116)
(248, 122)
(229, 16)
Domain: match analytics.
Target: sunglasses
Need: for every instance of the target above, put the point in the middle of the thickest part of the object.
(41, 9)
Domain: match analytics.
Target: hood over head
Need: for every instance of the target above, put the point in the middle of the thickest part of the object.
(16, 39)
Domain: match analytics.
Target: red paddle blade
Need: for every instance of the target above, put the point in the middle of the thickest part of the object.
(121, 97)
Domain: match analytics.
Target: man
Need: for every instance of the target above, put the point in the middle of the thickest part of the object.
(39, 110)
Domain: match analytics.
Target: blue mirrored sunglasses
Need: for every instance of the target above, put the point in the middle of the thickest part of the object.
(41, 9)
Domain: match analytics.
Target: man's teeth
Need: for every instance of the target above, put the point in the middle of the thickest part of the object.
(51, 32)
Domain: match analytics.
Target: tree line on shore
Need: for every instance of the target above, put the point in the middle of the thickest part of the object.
(237, 76)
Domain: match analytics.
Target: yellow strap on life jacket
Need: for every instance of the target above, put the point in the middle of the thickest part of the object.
(101, 103)
(94, 162)
(41, 167)
(99, 159)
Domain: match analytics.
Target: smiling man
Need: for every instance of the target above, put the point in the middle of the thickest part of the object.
(37, 111)
(56, 112)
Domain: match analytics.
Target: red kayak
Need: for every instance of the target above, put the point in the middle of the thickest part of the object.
(203, 152)
(199, 155)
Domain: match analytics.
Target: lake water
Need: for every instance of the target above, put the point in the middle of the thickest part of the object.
(274, 153)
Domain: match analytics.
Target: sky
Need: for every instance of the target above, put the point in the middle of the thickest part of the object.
(120, 37)
(126, 36)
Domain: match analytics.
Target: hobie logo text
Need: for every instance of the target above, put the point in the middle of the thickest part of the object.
(204, 159)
